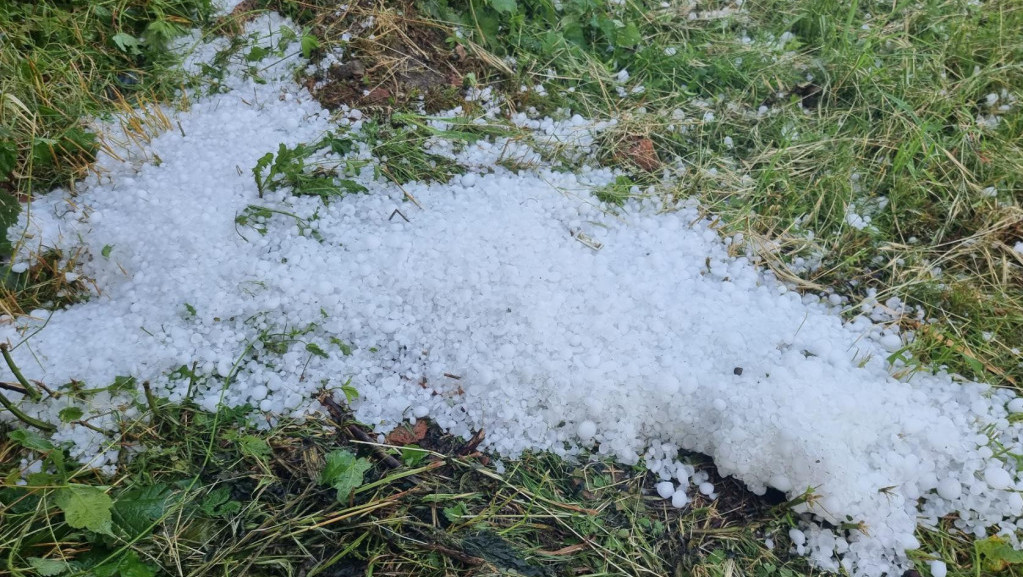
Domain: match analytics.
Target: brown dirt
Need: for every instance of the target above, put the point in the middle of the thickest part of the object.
(397, 60)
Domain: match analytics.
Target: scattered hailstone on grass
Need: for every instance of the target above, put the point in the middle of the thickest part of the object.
(670, 51)
(665, 489)
(856, 221)
(938, 568)
(1018, 247)
(679, 498)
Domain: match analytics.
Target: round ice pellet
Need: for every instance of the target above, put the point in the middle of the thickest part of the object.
(679, 499)
(949, 489)
(586, 430)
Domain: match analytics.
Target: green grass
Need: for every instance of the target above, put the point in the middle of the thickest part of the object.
(878, 111)
(863, 102)
(63, 63)
(209, 494)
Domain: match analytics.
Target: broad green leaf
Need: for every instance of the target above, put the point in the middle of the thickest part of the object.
(159, 31)
(218, 503)
(48, 567)
(257, 53)
(341, 146)
(137, 508)
(412, 455)
(309, 43)
(253, 446)
(128, 565)
(489, 24)
(127, 43)
(41, 479)
(86, 507)
(344, 472)
(504, 6)
(455, 512)
(628, 36)
(30, 440)
(104, 570)
(68, 414)
(997, 555)
(351, 393)
(123, 383)
(132, 566)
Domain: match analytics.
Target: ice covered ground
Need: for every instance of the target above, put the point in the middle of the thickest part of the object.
(487, 309)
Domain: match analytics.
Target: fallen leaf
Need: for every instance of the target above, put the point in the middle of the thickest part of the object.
(643, 154)
(407, 435)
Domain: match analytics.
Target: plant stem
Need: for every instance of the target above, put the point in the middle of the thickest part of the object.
(150, 399)
(41, 425)
(33, 393)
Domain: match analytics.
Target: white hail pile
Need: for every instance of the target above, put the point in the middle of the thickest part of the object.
(488, 309)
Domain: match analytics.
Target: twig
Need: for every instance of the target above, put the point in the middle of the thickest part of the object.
(338, 413)
(407, 194)
(12, 387)
(474, 442)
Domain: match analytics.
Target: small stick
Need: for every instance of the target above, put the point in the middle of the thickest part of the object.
(337, 412)
(12, 387)
(5, 348)
(474, 442)
(400, 187)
